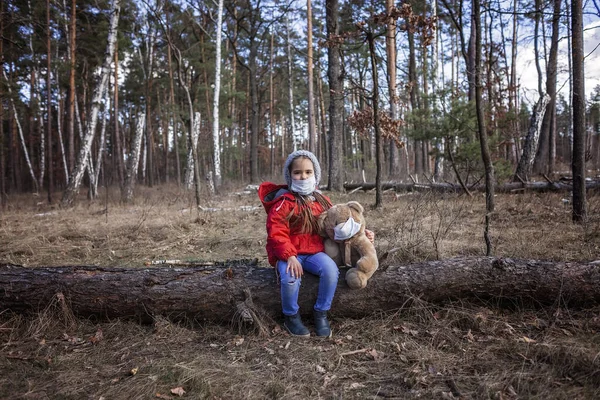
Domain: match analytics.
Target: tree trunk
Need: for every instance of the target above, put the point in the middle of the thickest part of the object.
(292, 126)
(544, 161)
(49, 105)
(390, 45)
(214, 292)
(378, 144)
(312, 135)
(336, 97)
(133, 161)
(71, 97)
(21, 136)
(117, 146)
(77, 174)
(483, 137)
(173, 122)
(531, 140)
(579, 109)
(254, 108)
(216, 147)
(2, 119)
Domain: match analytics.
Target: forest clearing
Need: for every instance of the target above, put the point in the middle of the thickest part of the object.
(132, 247)
(466, 348)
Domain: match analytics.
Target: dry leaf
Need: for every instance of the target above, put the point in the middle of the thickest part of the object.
(327, 380)
(470, 336)
(356, 385)
(375, 354)
(97, 337)
(178, 391)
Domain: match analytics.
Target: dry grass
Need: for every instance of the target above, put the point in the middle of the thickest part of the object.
(458, 350)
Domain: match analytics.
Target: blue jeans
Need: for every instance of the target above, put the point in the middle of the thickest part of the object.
(319, 264)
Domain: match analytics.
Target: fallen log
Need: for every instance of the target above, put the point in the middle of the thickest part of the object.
(215, 292)
(445, 187)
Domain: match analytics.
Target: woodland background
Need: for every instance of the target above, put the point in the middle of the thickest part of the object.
(110, 93)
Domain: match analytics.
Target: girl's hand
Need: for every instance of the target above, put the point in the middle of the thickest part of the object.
(294, 267)
(370, 235)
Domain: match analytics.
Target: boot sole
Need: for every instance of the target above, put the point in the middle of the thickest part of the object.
(294, 334)
(326, 337)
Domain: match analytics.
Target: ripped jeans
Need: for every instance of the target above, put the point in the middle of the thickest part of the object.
(319, 264)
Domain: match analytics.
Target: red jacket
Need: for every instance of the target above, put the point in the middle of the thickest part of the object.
(284, 241)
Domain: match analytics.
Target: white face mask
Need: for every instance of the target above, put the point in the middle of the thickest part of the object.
(346, 230)
(304, 187)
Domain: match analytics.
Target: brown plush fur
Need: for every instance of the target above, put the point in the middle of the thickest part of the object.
(364, 256)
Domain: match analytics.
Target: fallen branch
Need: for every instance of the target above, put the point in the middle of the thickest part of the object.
(449, 187)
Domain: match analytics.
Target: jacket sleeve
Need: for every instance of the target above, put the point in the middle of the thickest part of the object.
(278, 231)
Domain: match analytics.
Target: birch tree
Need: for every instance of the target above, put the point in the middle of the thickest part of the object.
(77, 174)
(133, 160)
(21, 136)
(216, 146)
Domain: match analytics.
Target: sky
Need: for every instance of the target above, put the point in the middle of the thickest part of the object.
(528, 74)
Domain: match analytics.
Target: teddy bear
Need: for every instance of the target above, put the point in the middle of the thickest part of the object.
(343, 227)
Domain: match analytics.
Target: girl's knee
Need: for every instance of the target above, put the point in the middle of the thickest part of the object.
(289, 280)
(331, 270)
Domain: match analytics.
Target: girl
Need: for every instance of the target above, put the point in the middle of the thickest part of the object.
(293, 244)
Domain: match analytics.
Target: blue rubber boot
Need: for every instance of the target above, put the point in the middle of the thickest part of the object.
(295, 327)
(322, 328)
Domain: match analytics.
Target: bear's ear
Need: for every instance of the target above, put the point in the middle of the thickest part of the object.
(356, 206)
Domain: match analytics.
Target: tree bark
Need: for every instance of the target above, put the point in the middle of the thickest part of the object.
(216, 97)
(531, 140)
(336, 97)
(71, 97)
(483, 137)
(378, 144)
(312, 135)
(133, 161)
(390, 45)
(579, 109)
(49, 104)
(213, 292)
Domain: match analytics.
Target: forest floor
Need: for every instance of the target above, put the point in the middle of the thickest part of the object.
(467, 349)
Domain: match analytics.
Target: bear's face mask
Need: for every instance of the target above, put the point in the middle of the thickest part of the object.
(346, 230)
